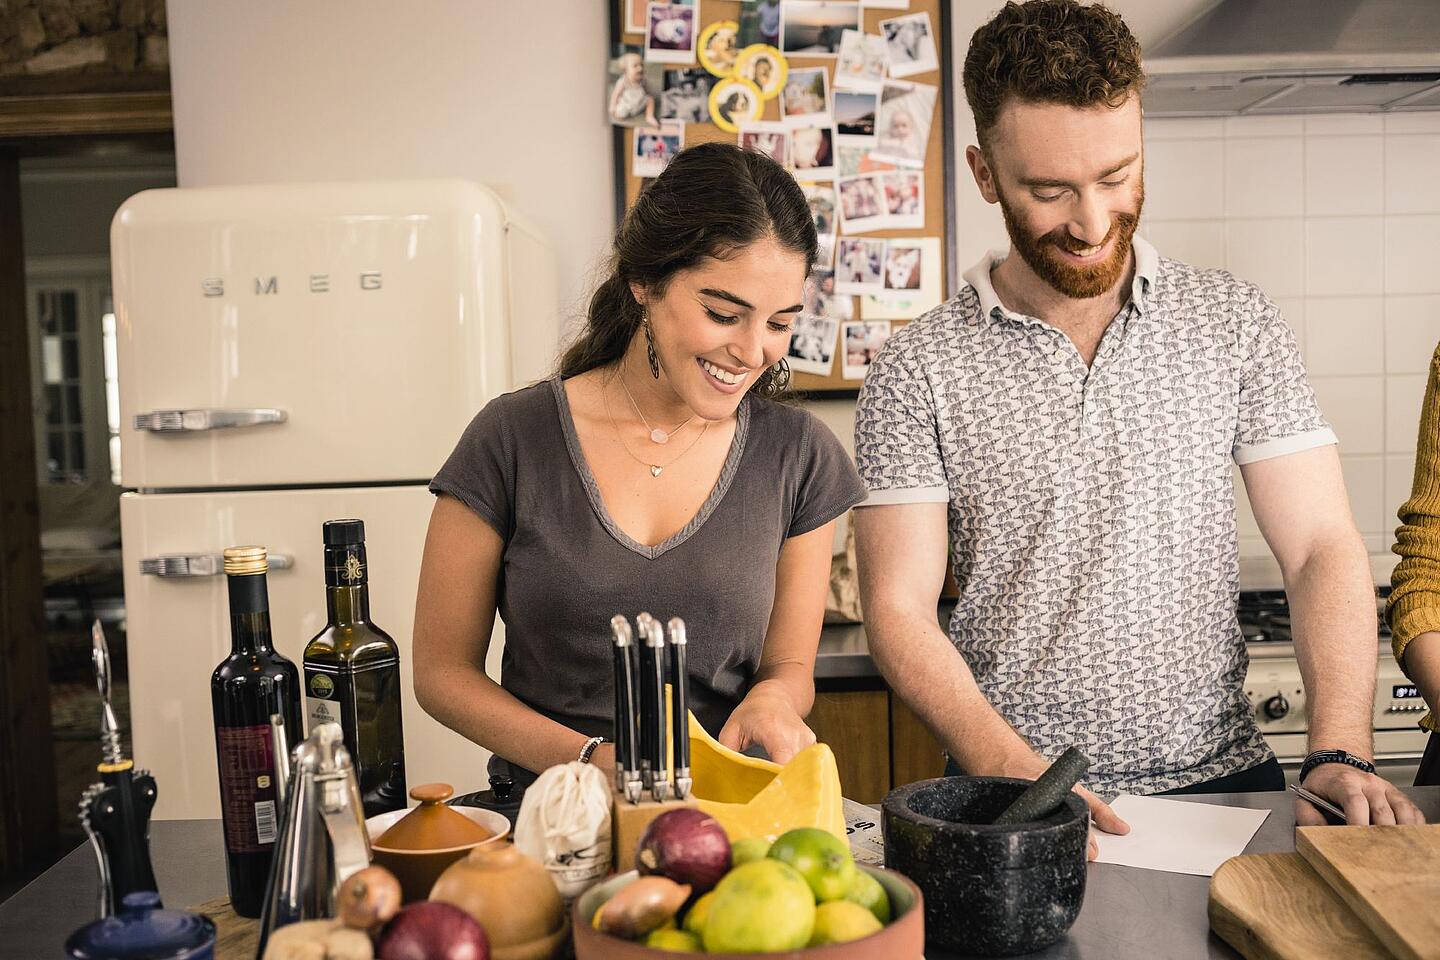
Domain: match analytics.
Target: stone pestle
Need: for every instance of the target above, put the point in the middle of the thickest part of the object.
(1042, 797)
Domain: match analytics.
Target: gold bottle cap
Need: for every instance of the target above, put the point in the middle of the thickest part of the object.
(245, 560)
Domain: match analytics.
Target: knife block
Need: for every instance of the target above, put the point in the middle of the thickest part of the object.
(629, 820)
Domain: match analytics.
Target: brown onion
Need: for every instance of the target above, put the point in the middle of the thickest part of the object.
(368, 898)
(642, 906)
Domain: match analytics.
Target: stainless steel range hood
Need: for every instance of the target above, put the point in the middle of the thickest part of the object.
(1299, 56)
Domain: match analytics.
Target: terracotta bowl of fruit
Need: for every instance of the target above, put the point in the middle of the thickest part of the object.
(419, 843)
(696, 893)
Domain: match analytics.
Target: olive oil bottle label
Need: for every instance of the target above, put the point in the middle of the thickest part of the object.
(365, 701)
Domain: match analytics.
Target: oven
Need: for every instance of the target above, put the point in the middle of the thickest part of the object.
(1272, 684)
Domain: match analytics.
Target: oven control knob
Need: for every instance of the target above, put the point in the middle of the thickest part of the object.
(1276, 707)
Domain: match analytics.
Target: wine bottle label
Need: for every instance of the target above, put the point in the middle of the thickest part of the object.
(247, 787)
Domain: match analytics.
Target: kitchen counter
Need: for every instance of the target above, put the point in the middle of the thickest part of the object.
(1127, 912)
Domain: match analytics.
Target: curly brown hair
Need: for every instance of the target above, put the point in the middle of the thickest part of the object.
(1050, 51)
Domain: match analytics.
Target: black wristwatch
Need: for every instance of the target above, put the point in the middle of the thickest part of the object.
(1319, 757)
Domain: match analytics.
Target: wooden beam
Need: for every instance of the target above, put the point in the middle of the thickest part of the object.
(81, 114)
(28, 818)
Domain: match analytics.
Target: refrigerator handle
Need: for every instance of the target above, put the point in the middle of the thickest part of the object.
(175, 565)
(195, 421)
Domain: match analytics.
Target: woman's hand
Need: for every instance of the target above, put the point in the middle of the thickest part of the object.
(767, 717)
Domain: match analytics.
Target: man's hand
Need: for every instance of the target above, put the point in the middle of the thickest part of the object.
(1365, 798)
(1029, 765)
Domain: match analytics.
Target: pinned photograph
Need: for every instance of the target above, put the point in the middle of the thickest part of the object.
(859, 265)
(862, 203)
(812, 28)
(760, 22)
(855, 116)
(771, 138)
(886, 4)
(632, 89)
(806, 94)
(635, 14)
(734, 101)
(812, 344)
(906, 110)
(812, 151)
(862, 61)
(763, 66)
(861, 343)
(821, 299)
(655, 148)
(904, 199)
(821, 198)
(719, 47)
(686, 96)
(902, 298)
(911, 44)
(671, 36)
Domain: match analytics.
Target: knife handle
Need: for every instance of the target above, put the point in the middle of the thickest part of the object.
(649, 708)
(655, 679)
(624, 700)
(680, 707)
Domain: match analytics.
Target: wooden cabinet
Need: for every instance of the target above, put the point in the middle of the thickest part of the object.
(878, 742)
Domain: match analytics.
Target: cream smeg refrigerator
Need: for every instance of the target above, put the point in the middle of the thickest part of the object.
(290, 354)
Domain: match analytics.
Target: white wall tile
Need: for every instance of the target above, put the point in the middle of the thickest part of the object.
(1365, 483)
(1355, 407)
(1345, 124)
(1404, 394)
(1270, 253)
(1293, 310)
(1415, 121)
(1184, 128)
(1185, 179)
(1345, 335)
(1277, 126)
(1263, 177)
(1412, 329)
(1411, 247)
(1197, 242)
(1342, 175)
(1412, 174)
(1344, 255)
(1399, 477)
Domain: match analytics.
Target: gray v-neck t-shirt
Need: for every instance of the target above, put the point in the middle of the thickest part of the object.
(568, 568)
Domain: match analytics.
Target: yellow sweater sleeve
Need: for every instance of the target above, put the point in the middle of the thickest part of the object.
(1414, 606)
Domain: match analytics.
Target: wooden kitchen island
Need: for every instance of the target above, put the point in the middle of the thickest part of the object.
(1128, 913)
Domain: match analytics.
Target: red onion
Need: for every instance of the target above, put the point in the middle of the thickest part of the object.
(686, 845)
(429, 930)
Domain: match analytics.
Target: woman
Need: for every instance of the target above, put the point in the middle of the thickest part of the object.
(1414, 607)
(656, 472)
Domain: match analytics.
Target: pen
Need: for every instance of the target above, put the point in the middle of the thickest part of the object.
(679, 695)
(1319, 802)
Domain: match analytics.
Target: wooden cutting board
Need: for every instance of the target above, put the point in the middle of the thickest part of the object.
(1273, 906)
(1388, 876)
(236, 938)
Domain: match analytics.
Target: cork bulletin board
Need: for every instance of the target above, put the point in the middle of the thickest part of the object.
(937, 203)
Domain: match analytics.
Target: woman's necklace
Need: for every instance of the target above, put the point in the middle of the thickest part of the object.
(656, 434)
(655, 468)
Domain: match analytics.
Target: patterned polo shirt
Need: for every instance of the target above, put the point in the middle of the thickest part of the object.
(1092, 510)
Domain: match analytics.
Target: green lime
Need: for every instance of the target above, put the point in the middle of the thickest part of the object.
(674, 940)
(868, 892)
(839, 921)
(760, 907)
(822, 858)
(699, 910)
(748, 850)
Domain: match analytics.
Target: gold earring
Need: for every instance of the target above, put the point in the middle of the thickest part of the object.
(650, 348)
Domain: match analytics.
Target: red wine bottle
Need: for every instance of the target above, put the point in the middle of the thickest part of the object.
(248, 686)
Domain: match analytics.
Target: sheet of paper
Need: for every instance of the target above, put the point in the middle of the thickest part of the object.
(1178, 836)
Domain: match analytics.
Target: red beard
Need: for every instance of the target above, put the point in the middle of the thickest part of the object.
(1078, 283)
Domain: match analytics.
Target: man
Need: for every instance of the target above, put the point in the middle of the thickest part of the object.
(1074, 412)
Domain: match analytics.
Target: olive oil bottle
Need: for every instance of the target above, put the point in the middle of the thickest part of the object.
(352, 673)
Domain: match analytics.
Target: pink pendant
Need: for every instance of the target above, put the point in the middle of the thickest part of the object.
(655, 471)
(659, 436)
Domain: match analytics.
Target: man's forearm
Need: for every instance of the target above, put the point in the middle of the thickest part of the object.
(1332, 603)
(923, 667)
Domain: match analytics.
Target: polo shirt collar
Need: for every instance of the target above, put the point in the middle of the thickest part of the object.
(1147, 266)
